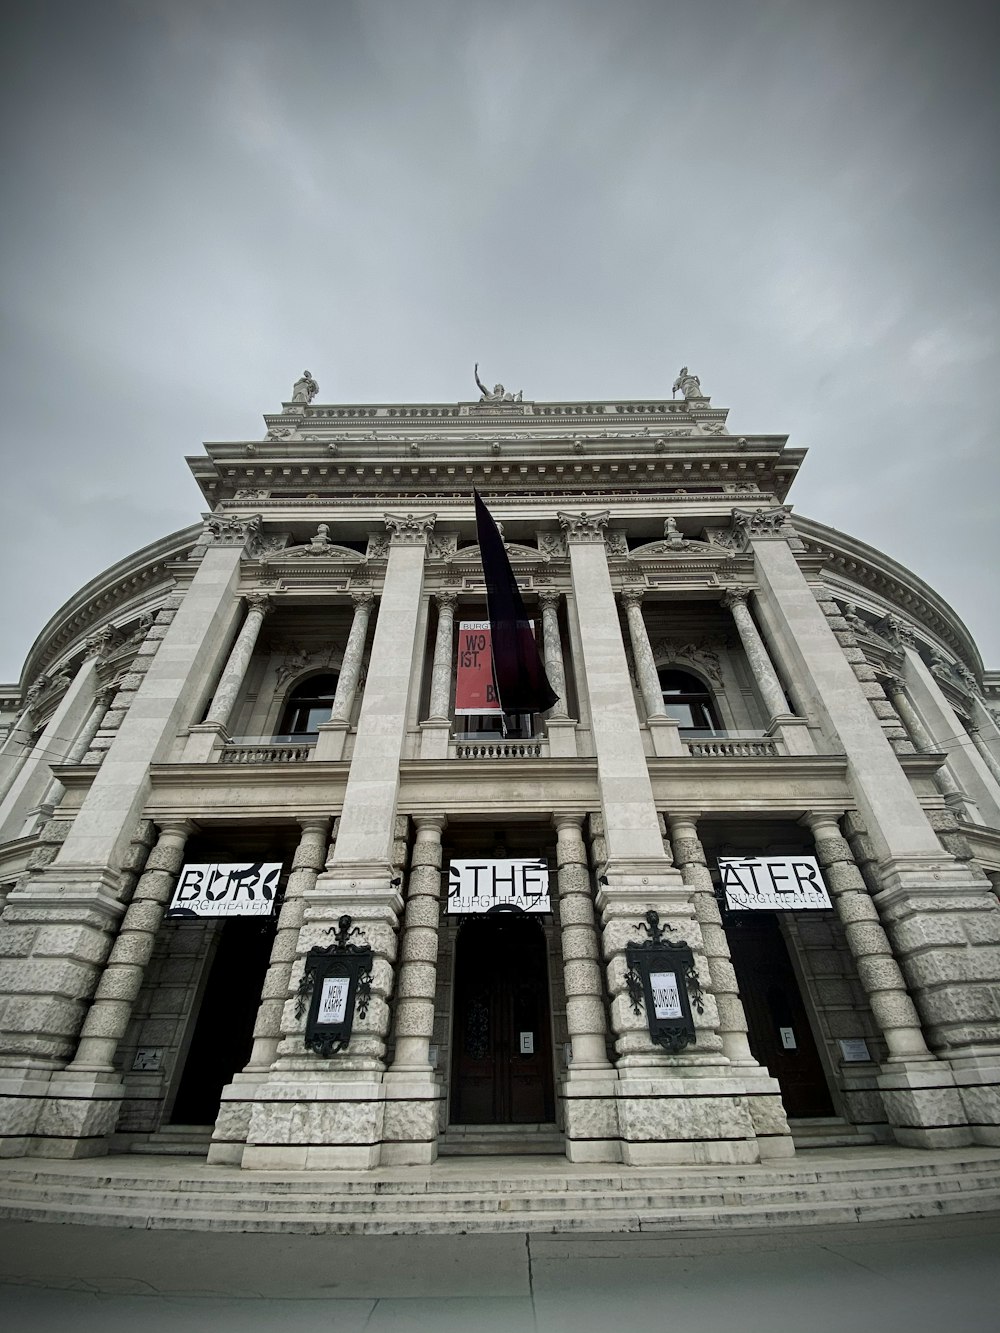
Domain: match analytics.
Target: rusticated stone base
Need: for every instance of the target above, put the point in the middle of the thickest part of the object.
(316, 1120)
(410, 1123)
(978, 1083)
(685, 1120)
(923, 1105)
(232, 1124)
(58, 1115)
(590, 1117)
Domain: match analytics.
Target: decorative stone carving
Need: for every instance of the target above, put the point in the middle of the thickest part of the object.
(409, 529)
(551, 544)
(967, 678)
(104, 642)
(616, 544)
(320, 547)
(499, 394)
(703, 655)
(442, 545)
(689, 385)
(277, 433)
(897, 631)
(229, 530)
(749, 524)
(584, 527)
(378, 547)
(304, 389)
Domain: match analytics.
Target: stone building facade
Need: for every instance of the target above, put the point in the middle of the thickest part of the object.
(276, 684)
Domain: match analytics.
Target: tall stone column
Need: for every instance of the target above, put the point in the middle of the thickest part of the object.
(233, 673)
(982, 745)
(108, 1017)
(315, 1111)
(587, 1090)
(354, 656)
(767, 1112)
(919, 1092)
(549, 599)
(29, 785)
(78, 751)
(231, 1125)
(757, 655)
(663, 728)
(83, 1101)
(444, 642)
(332, 734)
(667, 1111)
(413, 1091)
(895, 688)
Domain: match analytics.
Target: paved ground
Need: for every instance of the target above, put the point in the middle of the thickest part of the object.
(926, 1276)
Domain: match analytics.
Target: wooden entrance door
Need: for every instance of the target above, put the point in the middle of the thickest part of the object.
(779, 1032)
(502, 1048)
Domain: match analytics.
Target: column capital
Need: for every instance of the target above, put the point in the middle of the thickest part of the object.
(893, 684)
(175, 828)
(549, 598)
(362, 597)
(435, 820)
(817, 820)
(314, 823)
(584, 527)
(409, 529)
(258, 601)
(570, 821)
(446, 600)
(736, 597)
(754, 524)
(632, 596)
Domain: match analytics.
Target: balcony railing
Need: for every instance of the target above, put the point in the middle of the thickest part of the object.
(730, 745)
(498, 749)
(266, 750)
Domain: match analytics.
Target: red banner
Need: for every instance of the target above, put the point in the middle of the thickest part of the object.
(475, 691)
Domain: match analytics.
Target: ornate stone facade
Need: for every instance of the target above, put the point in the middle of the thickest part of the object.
(277, 685)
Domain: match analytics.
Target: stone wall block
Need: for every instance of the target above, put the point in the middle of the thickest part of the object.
(120, 981)
(575, 879)
(576, 910)
(879, 974)
(416, 1018)
(16, 941)
(844, 877)
(423, 912)
(45, 976)
(108, 1019)
(578, 942)
(416, 979)
(582, 977)
(852, 907)
(421, 945)
(689, 852)
(586, 1013)
(832, 849)
(426, 854)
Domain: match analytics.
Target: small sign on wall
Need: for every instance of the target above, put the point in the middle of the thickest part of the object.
(232, 889)
(772, 883)
(148, 1060)
(854, 1050)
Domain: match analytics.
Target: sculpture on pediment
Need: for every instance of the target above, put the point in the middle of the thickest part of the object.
(318, 547)
(305, 389)
(499, 393)
(688, 384)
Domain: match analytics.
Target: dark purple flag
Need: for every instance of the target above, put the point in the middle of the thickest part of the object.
(520, 678)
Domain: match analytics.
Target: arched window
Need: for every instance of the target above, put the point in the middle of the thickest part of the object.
(309, 704)
(688, 701)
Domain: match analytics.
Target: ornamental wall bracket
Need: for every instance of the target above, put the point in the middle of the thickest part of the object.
(661, 975)
(336, 983)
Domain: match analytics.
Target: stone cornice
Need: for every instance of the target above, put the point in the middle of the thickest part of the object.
(130, 584)
(886, 585)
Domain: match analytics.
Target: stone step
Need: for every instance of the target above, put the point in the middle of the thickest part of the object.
(387, 1222)
(173, 1199)
(828, 1132)
(176, 1141)
(502, 1140)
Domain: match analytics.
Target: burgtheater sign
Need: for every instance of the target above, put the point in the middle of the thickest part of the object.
(238, 889)
(517, 885)
(772, 883)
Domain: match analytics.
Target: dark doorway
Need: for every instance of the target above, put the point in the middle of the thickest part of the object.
(223, 1034)
(502, 1047)
(779, 1032)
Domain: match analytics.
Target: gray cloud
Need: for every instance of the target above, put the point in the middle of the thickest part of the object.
(797, 200)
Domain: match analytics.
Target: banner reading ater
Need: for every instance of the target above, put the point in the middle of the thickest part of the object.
(475, 691)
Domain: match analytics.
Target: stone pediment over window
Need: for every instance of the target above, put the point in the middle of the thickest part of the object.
(678, 547)
(318, 548)
(515, 552)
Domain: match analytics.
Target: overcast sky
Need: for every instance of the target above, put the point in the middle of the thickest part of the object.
(796, 198)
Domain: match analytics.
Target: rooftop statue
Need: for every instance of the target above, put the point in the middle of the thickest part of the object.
(305, 389)
(499, 394)
(689, 385)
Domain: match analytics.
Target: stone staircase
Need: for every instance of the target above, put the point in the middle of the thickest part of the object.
(501, 1141)
(176, 1141)
(505, 1194)
(829, 1132)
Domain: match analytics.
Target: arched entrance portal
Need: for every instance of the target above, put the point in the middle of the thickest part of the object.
(502, 1043)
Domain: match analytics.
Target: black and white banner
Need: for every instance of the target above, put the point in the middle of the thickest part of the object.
(520, 884)
(233, 889)
(772, 883)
